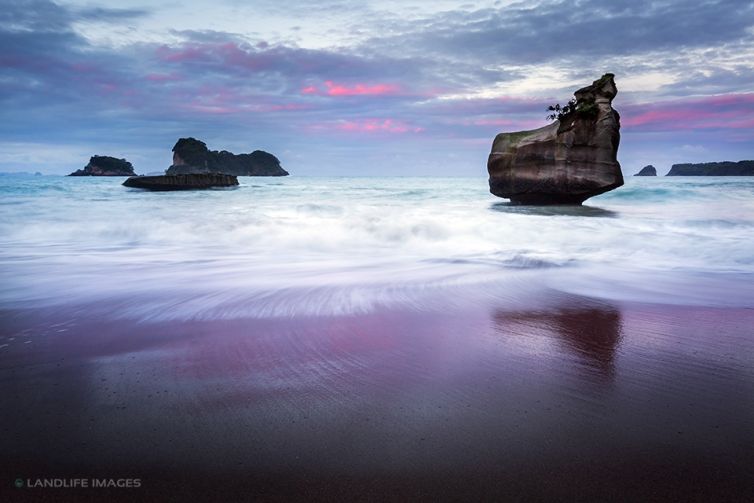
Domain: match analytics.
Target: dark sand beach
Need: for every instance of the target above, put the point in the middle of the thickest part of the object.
(579, 400)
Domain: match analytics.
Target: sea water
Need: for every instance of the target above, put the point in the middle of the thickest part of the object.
(325, 246)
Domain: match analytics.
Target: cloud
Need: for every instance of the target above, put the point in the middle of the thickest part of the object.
(526, 33)
(441, 83)
(107, 14)
(728, 112)
(333, 89)
(43, 16)
(368, 125)
(575, 41)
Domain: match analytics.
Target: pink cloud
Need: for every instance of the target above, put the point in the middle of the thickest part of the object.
(285, 107)
(215, 99)
(185, 53)
(732, 111)
(390, 126)
(359, 89)
(333, 89)
(83, 67)
(378, 126)
(108, 87)
(228, 56)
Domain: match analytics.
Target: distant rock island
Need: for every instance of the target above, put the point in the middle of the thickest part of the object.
(567, 162)
(647, 171)
(103, 165)
(725, 168)
(191, 156)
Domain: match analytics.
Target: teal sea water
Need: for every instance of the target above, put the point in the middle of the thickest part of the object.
(316, 246)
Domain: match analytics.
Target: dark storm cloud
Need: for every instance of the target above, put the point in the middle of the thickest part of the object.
(230, 55)
(43, 16)
(50, 74)
(580, 39)
(551, 31)
(38, 16)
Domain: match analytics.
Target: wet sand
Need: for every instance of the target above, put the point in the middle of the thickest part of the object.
(580, 400)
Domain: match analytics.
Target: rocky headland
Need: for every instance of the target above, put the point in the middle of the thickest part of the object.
(725, 168)
(103, 165)
(191, 156)
(647, 171)
(566, 162)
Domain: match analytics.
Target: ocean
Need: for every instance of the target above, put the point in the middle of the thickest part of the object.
(377, 339)
(308, 246)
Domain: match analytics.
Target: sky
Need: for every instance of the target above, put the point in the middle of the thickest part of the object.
(369, 87)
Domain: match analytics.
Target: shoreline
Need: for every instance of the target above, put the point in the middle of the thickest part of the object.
(583, 399)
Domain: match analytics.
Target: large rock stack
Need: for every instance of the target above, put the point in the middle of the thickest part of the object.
(567, 162)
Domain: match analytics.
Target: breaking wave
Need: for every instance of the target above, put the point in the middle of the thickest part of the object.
(318, 246)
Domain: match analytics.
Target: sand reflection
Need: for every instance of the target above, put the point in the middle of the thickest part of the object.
(590, 333)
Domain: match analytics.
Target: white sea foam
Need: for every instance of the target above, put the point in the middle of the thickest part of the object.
(314, 246)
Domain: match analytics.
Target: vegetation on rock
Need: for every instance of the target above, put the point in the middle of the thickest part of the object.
(585, 108)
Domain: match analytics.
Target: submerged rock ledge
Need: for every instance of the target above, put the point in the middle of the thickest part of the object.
(566, 162)
(182, 182)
